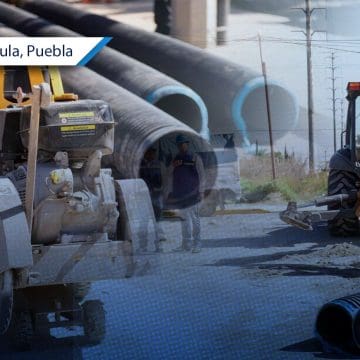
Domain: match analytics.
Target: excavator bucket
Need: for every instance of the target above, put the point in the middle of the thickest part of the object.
(295, 218)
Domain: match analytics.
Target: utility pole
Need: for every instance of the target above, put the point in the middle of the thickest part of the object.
(263, 66)
(333, 89)
(308, 11)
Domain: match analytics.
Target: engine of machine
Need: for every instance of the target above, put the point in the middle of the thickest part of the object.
(75, 198)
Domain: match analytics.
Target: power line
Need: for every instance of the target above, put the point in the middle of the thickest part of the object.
(300, 42)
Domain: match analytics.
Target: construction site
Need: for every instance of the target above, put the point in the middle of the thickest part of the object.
(189, 189)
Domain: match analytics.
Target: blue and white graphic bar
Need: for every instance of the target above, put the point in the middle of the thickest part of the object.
(52, 51)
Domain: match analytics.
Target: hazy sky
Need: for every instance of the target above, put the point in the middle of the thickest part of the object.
(285, 54)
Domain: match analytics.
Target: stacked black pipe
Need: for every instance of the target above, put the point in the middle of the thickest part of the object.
(234, 95)
(139, 125)
(164, 92)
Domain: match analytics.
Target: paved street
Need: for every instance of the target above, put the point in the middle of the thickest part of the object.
(232, 301)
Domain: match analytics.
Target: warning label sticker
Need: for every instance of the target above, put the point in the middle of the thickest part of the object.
(79, 117)
(77, 130)
(72, 115)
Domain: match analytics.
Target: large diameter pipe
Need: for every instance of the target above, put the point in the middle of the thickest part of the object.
(7, 32)
(338, 324)
(139, 125)
(233, 94)
(160, 90)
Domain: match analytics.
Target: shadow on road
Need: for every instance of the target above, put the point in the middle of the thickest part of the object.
(314, 346)
(257, 260)
(285, 237)
(312, 270)
(282, 237)
(46, 348)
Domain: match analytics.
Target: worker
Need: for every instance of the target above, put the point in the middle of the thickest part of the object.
(152, 172)
(162, 16)
(187, 179)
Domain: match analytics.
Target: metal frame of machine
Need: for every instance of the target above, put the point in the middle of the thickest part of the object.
(61, 230)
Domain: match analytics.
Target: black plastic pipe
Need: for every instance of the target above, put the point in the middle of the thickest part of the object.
(338, 324)
(160, 90)
(233, 94)
(139, 125)
(7, 32)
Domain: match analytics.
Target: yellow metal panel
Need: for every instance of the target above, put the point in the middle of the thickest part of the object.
(3, 102)
(56, 82)
(66, 97)
(35, 75)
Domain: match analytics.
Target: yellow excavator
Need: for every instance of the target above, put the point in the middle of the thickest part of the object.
(343, 199)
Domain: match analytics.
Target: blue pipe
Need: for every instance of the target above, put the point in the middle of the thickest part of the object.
(162, 92)
(237, 106)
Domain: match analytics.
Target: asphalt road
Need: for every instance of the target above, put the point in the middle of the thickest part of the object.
(228, 302)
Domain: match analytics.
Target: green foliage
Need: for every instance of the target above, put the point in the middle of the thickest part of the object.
(261, 152)
(278, 155)
(290, 187)
(249, 186)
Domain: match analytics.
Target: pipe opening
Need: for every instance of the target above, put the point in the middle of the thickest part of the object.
(334, 324)
(165, 149)
(283, 110)
(356, 330)
(183, 108)
(139, 125)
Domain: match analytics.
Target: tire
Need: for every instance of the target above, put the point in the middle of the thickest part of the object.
(6, 300)
(94, 321)
(22, 331)
(342, 182)
(80, 290)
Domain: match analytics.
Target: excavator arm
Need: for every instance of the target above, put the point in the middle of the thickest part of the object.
(304, 219)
